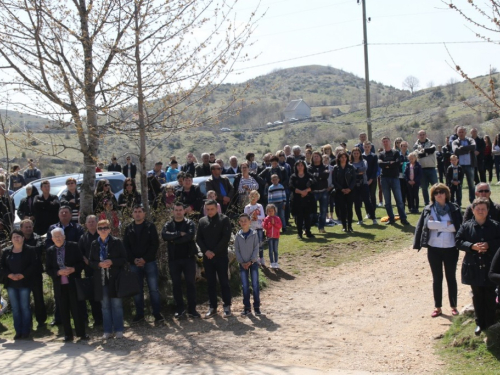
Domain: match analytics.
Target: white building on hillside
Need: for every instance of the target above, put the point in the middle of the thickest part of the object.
(297, 109)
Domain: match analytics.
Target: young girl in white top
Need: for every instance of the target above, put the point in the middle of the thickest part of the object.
(256, 212)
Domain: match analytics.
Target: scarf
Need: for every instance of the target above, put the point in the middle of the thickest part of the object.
(103, 255)
(440, 212)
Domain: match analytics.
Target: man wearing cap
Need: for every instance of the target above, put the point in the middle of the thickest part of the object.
(114, 166)
(141, 243)
(129, 169)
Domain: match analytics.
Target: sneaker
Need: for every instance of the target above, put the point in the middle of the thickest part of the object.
(194, 314)
(211, 312)
(374, 222)
(227, 312)
(159, 318)
(360, 222)
(179, 314)
(118, 335)
(106, 336)
(271, 265)
(262, 262)
(258, 312)
(381, 204)
(367, 217)
(137, 319)
(246, 312)
(277, 266)
(390, 222)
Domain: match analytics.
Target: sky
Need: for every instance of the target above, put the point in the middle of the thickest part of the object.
(296, 33)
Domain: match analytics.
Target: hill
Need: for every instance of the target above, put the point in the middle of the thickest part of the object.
(394, 112)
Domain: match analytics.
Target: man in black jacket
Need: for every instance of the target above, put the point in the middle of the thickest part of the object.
(221, 185)
(189, 167)
(212, 236)
(389, 162)
(179, 234)
(34, 240)
(479, 171)
(190, 195)
(371, 172)
(46, 209)
(114, 166)
(141, 243)
(84, 244)
(130, 169)
(483, 190)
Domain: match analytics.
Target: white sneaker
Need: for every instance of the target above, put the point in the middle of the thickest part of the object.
(367, 216)
(118, 335)
(498, 183)
(277, 266)
(272, 265)
(381, 204)
(360, 222)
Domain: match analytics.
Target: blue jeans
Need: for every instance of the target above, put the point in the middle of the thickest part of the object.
(150, 272)
(392, 184)
(321, 199)
(112, 312)
(469, 175)
(253, 272)
(19, 299)
(429, 176)
(273, 249)
(281, 214)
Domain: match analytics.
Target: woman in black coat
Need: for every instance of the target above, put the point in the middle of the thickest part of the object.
(129, 198)
(344, 180)
(107, 258)
(302, 201)
(26, 208)
(480, 239)
(17, 267)
(436, 231)
(64, 264)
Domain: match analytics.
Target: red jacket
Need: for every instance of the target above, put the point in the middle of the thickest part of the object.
(272, 230)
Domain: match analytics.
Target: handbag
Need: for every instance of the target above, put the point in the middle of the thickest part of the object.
(126, 284)
(84, 289)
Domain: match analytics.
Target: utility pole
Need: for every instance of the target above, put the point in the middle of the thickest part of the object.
(367, 74)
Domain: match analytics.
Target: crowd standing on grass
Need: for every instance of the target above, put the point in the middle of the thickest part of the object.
(250, 204)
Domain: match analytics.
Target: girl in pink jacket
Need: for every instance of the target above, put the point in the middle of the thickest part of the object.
(272, 225)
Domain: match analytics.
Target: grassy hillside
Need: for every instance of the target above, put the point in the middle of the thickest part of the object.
(394, 112)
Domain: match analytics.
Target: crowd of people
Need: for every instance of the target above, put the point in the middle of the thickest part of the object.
(318, 187)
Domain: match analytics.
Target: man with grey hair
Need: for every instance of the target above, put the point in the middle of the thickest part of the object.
(287, 150)
(465, 148)
(203, 169)
(296, 156)
(233, 168)
(483, 190)
(426, 150)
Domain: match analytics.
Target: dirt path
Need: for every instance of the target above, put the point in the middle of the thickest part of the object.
(368, 316)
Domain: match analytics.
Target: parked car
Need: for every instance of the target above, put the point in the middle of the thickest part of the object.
(225, 130)
(58, 186)
(278, 123)
(201, 181)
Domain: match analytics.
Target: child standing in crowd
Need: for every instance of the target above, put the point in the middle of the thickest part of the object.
(454, 179)
(413, 173)
(172, 171)
(246, 246)
(212, 196)
(256, 213)
(277, 197)
(272, 225)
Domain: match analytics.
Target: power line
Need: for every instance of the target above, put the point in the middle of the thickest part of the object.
(426, 43)
(299, 57)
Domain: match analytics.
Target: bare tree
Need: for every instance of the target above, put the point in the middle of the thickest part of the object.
(59, 54)
(411, 83)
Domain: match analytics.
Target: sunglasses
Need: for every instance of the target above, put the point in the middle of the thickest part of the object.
(129, 185)
(483, 191)
(102, 228)
(437, 192)
(106, 185)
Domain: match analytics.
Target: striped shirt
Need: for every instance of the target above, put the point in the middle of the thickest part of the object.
(276, 194)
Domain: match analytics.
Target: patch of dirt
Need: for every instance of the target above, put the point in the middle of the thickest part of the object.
(372, 315)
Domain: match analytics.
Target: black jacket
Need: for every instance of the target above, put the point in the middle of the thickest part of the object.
(202, 170)
(194, 197)
(147, 246)
(279, 171)
(449, 176)
(421, 238)
(46, 213)
(389, 163)
(297, 202)
(345, 179)
(29, 267)
(114, 167)
(214, 185)
(493, 212)
(26, 207)
(214, 234)
(84, 245)
(180, 247)
(230, 170)
(189, 168)
(133, 170)
(372, 161)
(38, 244)
(118, 255)
(320, 174)
(66, 197)
(475, 266)
(73, 232)
(72, 258)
